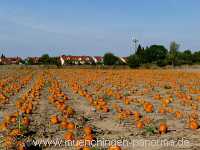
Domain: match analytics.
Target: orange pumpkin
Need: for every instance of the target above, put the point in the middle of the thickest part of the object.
(64, 124)
(54, 119)
(170, 110)
(71, 126)
(88, 130)
(148, 107)
(161, 110)
(13, 119)
(69, 136)
(114, 147)
(88, 138)
(137, 115)
(163, 128)
(105, 109)
(139, 124)
(86, 148)
(193, 125)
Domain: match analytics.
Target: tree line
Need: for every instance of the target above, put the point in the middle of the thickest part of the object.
(45, 59)
(157, 55)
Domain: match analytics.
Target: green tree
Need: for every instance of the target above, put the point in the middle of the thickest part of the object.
(155, 53)
(196, 57)
(44, 59)
(173, 52)
(110, 59)
(133, 61)
(187, 57)
(30, 61)
(55, 61)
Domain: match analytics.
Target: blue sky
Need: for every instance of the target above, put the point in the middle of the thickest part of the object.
(93, 27)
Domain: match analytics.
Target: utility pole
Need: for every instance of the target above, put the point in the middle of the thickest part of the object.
(135, 41)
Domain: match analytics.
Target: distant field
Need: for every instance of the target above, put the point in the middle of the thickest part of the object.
(77, 104)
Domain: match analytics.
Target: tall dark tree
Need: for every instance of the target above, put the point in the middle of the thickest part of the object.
(3, 56)
(139, 51)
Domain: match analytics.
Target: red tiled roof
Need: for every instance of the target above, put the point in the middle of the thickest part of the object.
(98, 58)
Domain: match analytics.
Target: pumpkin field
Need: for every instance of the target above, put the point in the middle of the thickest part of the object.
(48, 105)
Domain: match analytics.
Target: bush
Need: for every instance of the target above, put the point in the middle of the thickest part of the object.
(162, 63)
(133, 61)
(110, 59)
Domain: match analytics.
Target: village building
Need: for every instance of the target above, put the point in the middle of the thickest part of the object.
(32, 60)
(10, 60)
(80, 60)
